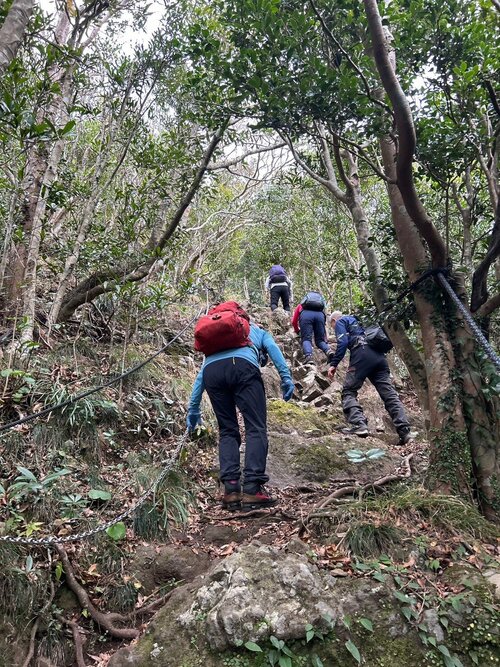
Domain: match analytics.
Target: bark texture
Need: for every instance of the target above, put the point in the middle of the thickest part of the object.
(13, 30)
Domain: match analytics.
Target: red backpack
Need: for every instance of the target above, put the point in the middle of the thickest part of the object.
(225, 326)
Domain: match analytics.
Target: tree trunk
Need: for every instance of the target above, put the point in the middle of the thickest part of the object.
(455, 458)
(35, 222)
(13, 30)
(36, 175)
(104, 281)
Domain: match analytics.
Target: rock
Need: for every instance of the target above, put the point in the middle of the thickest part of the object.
(431, 620)
(322, 401)
(322, 382)
(493, 578)
(311, 393)
(261, 591)
(309, 379)
(154, 566)
(256, 593)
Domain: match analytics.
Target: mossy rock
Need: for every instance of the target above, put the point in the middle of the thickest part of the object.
(462, 574)
(316, 462)
(288, 417)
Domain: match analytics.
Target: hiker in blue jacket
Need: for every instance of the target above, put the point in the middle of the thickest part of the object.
(232, 379)
(364, 362)
(279, 286)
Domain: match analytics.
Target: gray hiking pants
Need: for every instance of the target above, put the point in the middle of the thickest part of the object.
(367, 363)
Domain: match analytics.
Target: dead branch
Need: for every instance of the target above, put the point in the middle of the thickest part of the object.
(34, 629)
(104, 620)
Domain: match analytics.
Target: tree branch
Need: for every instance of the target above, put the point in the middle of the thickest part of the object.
(488, 307)
(326, 183)
(346, 55)
(240, 158)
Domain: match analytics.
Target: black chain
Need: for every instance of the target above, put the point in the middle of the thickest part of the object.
(84, 535)
(94, 390)
(54, 539)
(490, 352)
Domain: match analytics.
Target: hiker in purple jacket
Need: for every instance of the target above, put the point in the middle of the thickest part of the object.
(279, 286)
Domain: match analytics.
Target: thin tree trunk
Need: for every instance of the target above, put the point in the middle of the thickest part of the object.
(9, 228)
(36, 222)
(104, 281)
(13, 30)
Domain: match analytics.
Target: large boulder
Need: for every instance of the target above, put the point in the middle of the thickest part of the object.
(261, 592)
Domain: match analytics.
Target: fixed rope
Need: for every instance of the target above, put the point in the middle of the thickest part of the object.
(84, 535)
(94, 390)
(440, 275)
(490, 352)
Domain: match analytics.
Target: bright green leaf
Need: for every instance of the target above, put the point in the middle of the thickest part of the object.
(252, 646)
(117, 532)
(366, 623)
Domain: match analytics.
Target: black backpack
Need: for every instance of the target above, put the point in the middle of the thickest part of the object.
(313, 301)
(377, 339)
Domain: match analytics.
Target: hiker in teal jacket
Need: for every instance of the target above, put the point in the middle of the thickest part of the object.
(232, 379)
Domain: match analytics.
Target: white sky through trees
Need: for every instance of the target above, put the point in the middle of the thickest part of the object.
(131, 36)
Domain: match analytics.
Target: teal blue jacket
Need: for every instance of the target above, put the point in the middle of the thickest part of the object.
(261, 340)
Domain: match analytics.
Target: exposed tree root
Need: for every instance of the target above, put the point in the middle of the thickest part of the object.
(106, 621)
(405, 471)
(151, 607)
(34, 629)
(77, 640)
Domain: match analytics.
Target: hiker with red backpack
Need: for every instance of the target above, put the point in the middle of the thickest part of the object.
(309, 320)
(232, 378)
(279, 286)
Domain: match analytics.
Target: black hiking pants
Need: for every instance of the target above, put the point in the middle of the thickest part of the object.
(367, 363)
(236, 383)
(280, 292)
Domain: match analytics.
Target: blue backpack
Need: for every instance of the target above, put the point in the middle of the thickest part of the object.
(313, 301)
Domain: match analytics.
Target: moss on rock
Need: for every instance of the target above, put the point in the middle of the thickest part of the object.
(317, 462)
(287, 417)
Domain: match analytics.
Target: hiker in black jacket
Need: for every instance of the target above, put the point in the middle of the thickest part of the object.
(364, 362)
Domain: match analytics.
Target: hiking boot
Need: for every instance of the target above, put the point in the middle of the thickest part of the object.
(232, 501)
(356, 429)
(257, 500)
(405, 438)
(308, 359)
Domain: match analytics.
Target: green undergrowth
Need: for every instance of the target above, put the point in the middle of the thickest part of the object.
(416, 504)
(365, 540)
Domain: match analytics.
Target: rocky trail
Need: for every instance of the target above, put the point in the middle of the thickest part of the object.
(357, 564)
(259, 586)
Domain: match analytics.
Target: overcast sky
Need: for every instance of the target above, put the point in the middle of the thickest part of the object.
(130, 36)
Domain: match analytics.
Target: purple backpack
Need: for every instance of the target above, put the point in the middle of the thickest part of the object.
(277, 273)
